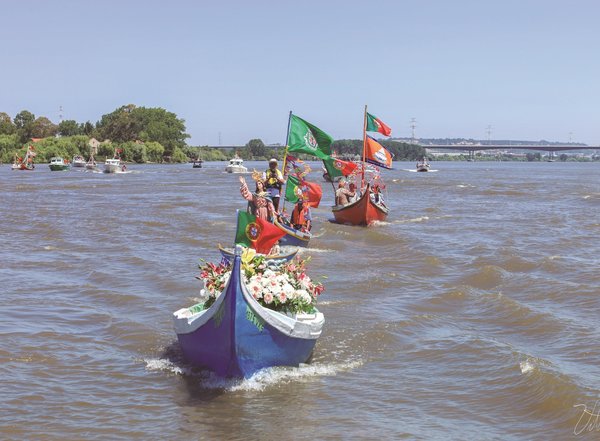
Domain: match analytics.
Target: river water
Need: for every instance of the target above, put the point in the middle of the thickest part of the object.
(471, 314)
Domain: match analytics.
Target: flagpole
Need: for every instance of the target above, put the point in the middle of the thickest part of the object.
(287, 139)
(362, 179)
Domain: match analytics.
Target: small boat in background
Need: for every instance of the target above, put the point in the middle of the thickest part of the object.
(364, 211)
(236, 336)
(58, 164)
(236, 165)
(78, 161)
(423, 165)
(25, 163)
(91, 163)
(198, 162)
(114, 164)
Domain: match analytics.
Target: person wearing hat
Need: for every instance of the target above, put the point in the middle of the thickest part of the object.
(273, 180)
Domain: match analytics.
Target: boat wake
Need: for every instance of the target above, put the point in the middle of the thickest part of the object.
(314, 250)
(379, 223)
(259, 381)
(414, 220)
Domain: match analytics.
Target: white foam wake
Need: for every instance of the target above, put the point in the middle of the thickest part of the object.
(260, 380)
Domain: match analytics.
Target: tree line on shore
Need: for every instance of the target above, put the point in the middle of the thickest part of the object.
(144, 135)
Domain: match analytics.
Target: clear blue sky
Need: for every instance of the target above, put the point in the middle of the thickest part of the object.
(528, 68)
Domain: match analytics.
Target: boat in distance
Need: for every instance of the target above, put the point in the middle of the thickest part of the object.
(237, 337)
(423, 165)
(78, 161)
(58, 164)
(236, 165)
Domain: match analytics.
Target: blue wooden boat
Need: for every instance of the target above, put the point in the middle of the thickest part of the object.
(286, 254)
(237, 337)
(293, 237)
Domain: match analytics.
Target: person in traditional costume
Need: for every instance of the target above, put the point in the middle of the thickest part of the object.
(259, 204)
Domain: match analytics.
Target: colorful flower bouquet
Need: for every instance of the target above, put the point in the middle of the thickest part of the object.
(283, 287)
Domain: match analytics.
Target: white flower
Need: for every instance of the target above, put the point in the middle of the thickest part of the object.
(304, 295)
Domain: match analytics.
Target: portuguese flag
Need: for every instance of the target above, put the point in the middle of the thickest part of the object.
(256, 233)
(309, 139)
(311, 191)
(374, 124)
(336, 167)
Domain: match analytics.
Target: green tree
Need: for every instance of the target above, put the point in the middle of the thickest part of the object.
(24, 123)
(131, 123)
(178, 155)
(8, 146)
(69, 127)
(257, 148)
(154, 151)
(87, 128)
(43, 127)
(7, 127)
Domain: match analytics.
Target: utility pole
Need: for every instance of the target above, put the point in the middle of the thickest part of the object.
(488, 130)
(413, 126)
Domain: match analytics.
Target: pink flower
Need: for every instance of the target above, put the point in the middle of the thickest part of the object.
(268, 298)
(282, 297)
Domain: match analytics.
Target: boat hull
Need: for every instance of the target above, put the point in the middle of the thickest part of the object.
(293, 237)
(22, 167)
(56, 167)
(236, 337)
(362, 212)
(286, 254)
(111, 168)
(229, 169)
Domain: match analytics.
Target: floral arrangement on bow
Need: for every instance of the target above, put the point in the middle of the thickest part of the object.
(283, 287)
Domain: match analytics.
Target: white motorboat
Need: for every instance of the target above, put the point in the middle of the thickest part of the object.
(236, 165)
(78, 161)
(423, 165)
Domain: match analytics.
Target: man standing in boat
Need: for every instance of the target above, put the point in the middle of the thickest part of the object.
(273, 182)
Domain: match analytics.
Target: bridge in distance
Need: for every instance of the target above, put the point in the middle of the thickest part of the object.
(463, 147)
(472, 148)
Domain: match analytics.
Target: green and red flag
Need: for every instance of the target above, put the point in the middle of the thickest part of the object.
(310, 191)
(256, 233)
(377, 154)
(374, 124)
(336, 167)
(307, 138)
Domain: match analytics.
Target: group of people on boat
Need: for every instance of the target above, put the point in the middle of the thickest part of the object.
(264, 201)
(345, 195)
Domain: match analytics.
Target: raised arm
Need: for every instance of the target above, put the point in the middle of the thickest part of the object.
(245, 191)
